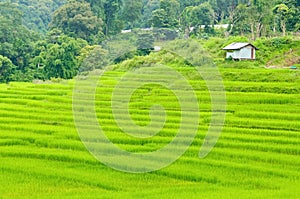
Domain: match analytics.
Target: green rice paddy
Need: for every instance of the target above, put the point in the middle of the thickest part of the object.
(257, 155)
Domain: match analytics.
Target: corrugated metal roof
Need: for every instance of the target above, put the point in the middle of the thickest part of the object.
(238, 46)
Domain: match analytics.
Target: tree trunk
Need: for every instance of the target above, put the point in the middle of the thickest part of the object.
(106, 30)
(274, 26)
(228, 33)
(252, 31)
(187, 32)
(283, 27)
(259, 28)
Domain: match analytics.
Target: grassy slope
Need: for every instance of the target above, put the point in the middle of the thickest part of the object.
(257, 155)
(276, 52)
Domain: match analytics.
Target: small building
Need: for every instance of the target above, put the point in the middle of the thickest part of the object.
(157, 48)
(241, 51)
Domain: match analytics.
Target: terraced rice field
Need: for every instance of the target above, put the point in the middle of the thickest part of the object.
(257, 155)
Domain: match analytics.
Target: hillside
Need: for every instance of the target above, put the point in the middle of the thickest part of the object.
(36, 14)
(277, 52)
(34, 34)
(257, 155)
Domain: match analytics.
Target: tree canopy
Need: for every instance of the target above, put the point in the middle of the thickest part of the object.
(77, 20)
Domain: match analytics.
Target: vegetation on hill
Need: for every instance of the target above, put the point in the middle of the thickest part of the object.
(36, 14)
(27, 25)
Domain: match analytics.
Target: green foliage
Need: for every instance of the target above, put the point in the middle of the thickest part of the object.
(120, 46)
(15, 39)
(111, 9)
(277, 51)
(148, 8)
(77, 20)
(6, 69)
(167, 15)
(145, 41)
(36, 14)
(143, 45)
(197, 17)
(172, 9)
(162, 57)
(132, 12)
(92, 57)
(26, 38)
(58, 57)
(159, 18)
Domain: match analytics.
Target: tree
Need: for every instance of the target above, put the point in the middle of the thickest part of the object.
(197, 16)
(293, 16)
(77, 20)
(202, 15)
(282, 11)
(6, 69)
(57, 56)
(132, 11)
(145, 43)
(238, 22)
(186, 20)
(159, 18)
(172, 9)
(111, 9)
(167, 15)
(97, 7)
(92, 57)
(254, 16)
(148, 9)
(234, 14)
(187, 3)
(220, 8)
(258, 15)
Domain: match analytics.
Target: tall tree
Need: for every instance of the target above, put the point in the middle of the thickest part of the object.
(132, 11)
(236, 13)
(76, 19)
(159, 18)
(293, 18)
(111, 10)
(148, 7)
(172, 9)
(195, 17)
(220, 9)
(258, 15)
(282, 12)
(97, 7)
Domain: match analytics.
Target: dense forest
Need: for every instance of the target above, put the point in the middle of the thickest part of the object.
(44, 39)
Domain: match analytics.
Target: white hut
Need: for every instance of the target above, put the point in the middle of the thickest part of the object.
(241, 51)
